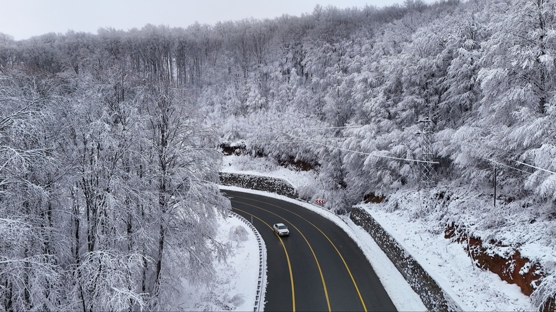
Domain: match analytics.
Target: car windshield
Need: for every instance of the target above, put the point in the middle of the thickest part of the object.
(282, 227)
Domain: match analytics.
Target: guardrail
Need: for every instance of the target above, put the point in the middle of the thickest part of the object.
(261, 283)
(422, 284)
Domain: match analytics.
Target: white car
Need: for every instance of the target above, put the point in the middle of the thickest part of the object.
(281, 229)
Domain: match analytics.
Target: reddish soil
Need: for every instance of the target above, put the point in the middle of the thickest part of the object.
(286, 162)
(508, 268)
(231, 150)
(372, 198)
(297, 164)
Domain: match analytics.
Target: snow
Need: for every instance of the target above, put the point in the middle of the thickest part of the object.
(403, 297)
(262, 167)
(446, 261)
(237, 277)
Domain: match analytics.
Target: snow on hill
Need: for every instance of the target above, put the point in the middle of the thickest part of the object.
(422, 234)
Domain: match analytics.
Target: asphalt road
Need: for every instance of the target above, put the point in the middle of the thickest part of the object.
(318, 267)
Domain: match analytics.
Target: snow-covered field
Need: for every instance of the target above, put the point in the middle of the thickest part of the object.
(446, 261)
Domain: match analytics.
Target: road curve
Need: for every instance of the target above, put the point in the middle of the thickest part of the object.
(318, 267)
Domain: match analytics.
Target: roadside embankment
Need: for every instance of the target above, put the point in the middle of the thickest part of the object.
(434, 298)
(259, 183)
(432, 295)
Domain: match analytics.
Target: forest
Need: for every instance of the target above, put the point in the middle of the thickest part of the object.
(110, 142)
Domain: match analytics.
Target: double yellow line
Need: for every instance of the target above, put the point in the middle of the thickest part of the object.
(308, 244)
(285, 251)
(318, 265)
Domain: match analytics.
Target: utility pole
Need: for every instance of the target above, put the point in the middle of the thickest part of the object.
(494, 185)
(427, 173)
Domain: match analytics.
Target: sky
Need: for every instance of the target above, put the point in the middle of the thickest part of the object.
(23, 19)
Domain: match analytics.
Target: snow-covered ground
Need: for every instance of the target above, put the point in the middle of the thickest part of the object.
(236, 284)
(262, 167)
(446, 261)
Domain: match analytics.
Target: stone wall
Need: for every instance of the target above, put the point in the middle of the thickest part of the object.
(258, 183)
(433, 297)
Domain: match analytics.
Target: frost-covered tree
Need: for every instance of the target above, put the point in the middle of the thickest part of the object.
(30, 274)
(517, 81)
(108, 141)
(181, 157)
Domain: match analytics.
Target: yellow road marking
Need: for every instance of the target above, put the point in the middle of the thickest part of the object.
(329, 240)
(311, 248)
(287, 256)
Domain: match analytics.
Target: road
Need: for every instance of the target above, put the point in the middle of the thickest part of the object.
(318, 267)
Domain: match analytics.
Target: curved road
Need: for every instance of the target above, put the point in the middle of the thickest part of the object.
(318, 267)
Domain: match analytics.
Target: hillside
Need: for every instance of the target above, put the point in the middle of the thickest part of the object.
(102, 134)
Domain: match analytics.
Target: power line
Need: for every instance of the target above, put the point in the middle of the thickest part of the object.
(398, 158)
(538, 168)
(340, 127)
(302, 140)
(363, 153)
(504, 165)
(522, 163)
